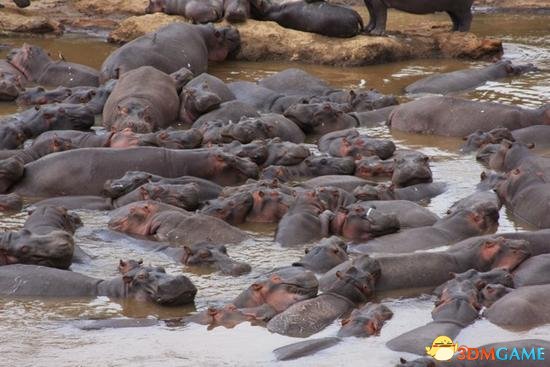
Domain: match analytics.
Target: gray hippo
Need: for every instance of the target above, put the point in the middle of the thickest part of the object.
(316, 17)
(418, 192)
(409, 214)
(450, 116)
(198, 11)
(266, 126)
(351, 289)
(37, 67)
(523, 309)
(459, 11)
(535, 346)
(142, 109)
(365, 321)
(324, 256)
(466, 79)
(167, 223)
(533, 271)
(144, 284)
(264, 99)
(206, 254)
(320, 118)
(163, 50)
(351, 143)
(88, 172)
(312, 166)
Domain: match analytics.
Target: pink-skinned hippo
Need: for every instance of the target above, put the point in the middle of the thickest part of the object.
(172, 47)
(451, 116)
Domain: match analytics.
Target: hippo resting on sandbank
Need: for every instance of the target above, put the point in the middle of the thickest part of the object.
(171, 48)
(144, 284)
(87, 170)
(167, 223)
(314, 16)
(37, 67)
(509, 357)
(466, 79)
(449, 116)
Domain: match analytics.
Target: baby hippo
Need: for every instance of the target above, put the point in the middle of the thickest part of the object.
(365, 321)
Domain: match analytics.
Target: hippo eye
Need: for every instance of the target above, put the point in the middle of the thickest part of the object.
(204, 254)
(25, 249)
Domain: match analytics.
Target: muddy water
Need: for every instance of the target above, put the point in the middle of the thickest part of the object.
(42, 333)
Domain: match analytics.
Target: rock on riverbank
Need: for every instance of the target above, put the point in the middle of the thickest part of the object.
(269, 41)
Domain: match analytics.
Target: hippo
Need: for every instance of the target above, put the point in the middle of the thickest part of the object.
(227, 112)
(347, 183)
(374, 118)
(19, 127)
(411, 168)
(266, 126)
(365, 321)
(202, 94)
(522, 309)
(525, 193)
(492, 293)
(467, 79)
(533, 271)
(329, 253)
(167, 223)
(88, 172)
(479, 280)
(211, 255)
(350, 143)
(10, 84)
(320, 118)
(10, 204)
(479, 139)
(181, 196)
(264, 99)
(144, 284)
(132, 180)
(39, 95)
(278, 290)
(481, 254)
(47, 218)
(364, 263)
(431, 116)
(142, 110)
(304, 348)
(369, 167)
(450, 229)
(409, 214)
(262, 205)
(478, 198)
(538, 135)
(358, 100)
(459, 10)
(418, 192)
(198, 11)
(316, 17)
(305, 318)
(162, 50)
(508, 361)
(295, 81)
(236, 11)
(310, 167)
(37, 67)
(227, 316)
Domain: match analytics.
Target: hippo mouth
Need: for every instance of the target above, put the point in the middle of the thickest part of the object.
(6, 259)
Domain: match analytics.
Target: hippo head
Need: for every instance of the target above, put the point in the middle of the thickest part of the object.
(133, 115)
(321, 166)
(366, 193)
(124, 139)
(11, 203)
(81, 95)
(421, 362)
(179, 139)
(281, 289)
(370, 100)
(359, 224)
(209, 254)
(490, 180)
(67, 116)
(57, 216)
(479, 139)
(353, 284)
(54, 249)
(228, 168)
(411, 169)
(484, 154)
(10, 86)
(29, 60)
(130, 181)
(518, 69)
(508, 155)
(12, 136)
(11, 171)
(269, 206)
(257, 150)
(182, 196)
(233, 210)
(53, 145)
(228, 316)
(152, 284)
(136, 218)
(492, 293)
(500, 252)
(366, 321)
(245, 131)
(325, 256)
(515, 180)
(311, 115)
(196, 102)
(237, 11)
(124, 266)
(482, 218)
(155, 6)
(221, 42)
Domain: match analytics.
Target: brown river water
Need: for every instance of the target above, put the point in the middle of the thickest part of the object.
(42, 332)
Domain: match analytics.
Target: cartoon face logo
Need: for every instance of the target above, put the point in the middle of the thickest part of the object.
(442, 348)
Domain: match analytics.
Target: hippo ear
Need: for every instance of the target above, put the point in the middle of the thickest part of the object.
(402, 360)
(530, 145)
(306, 250)
(339, 274)
(480, 284)
(144, 193)
(256, 287)
(372, 327)
(345, 321)
(483, 175)
(212, 311)
(452, 275)
(276, 279)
